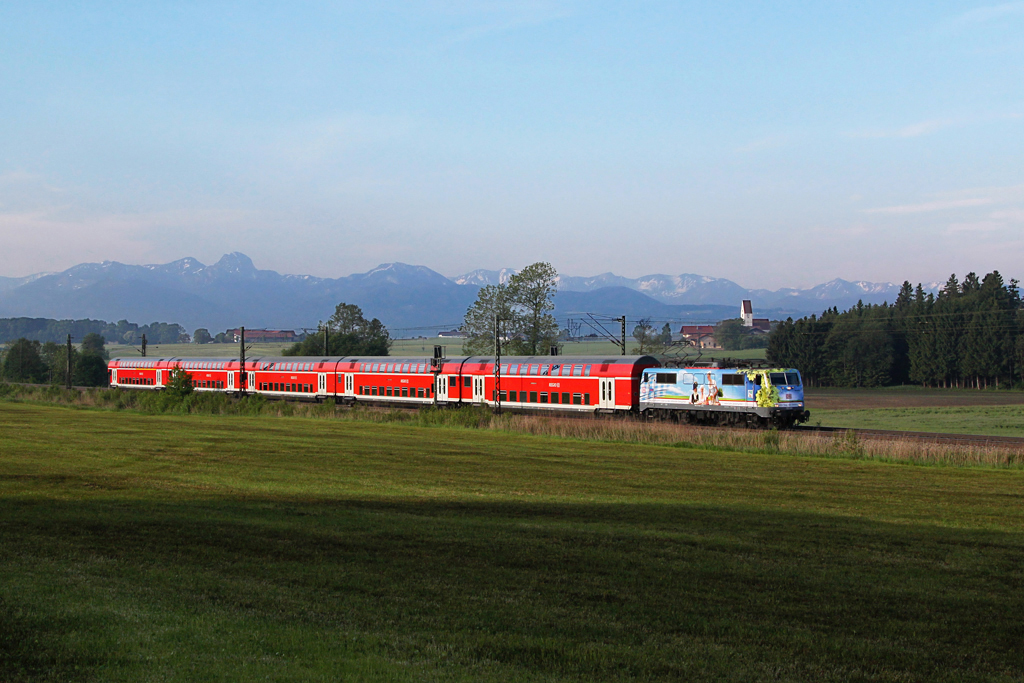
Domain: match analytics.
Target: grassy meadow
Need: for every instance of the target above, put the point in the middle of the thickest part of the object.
(981, 420)
(193, 548)
(914, 409)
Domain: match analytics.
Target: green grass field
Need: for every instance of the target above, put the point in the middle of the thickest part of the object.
(986, 420)
(226, 548)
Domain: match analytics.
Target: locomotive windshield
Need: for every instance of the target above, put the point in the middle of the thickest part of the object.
(788, 378)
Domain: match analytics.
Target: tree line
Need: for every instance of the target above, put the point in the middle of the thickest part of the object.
(969, 334)
(50, 330)
(348, 333)
(28, 360)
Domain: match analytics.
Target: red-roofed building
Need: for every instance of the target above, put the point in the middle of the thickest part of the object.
(702, 336)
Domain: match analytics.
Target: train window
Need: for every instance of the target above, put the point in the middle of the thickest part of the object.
(513, 369)
(586, 399)
(533, 369)
(512, 396)
(533, 397)
(586, 373)
(554, 397)
(565, 370)
(544, 369)
(577, 371)
(543, 397)
(565, 397)
(277, 387)
(778, 378)
(389, 391)
(665, 377)
(577, 399)
(467, 381)
(732, 380)
(793, 378)
(405, 392)
(419, 393)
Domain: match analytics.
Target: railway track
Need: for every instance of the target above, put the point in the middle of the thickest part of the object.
(1014, 442)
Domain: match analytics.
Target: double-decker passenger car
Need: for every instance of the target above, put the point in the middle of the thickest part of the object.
(541, 383)
(715, 395)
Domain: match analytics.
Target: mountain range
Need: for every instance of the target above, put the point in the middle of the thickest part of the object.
(410, 300)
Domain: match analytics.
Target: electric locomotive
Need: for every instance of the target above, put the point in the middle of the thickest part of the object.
(732, 396)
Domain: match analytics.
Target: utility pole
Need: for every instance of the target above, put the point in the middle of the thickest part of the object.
(623, 321)
(497, 366)
(327, 346)
(242, 375)
(143, 346)
(67, 377)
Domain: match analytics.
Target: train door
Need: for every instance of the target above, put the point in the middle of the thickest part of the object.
(231, 380)
(478, 390)
(159, 378)
(350, 385)
(607, 393)
(113, 377)
(250, 383)
(321, 383)
(441, 387)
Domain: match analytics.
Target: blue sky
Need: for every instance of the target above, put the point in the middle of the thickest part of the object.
(775, 144)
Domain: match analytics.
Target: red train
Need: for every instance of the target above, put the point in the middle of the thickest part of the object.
(540, 383)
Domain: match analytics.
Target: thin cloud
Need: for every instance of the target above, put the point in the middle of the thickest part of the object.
(930, 126)
(912, 131)
(503, 17)
(942, 205)
(981, 15)
(975, 227)
(764, 143)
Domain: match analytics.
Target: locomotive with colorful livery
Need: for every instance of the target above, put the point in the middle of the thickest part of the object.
(732, 396)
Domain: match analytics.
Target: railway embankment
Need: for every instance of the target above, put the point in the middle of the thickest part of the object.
(957, 450)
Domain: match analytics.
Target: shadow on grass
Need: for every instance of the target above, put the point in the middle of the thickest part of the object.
(526, 591)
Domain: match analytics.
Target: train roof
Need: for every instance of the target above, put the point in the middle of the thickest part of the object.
(255, 362)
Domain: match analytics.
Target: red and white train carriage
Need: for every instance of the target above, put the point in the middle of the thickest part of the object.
(541, 383)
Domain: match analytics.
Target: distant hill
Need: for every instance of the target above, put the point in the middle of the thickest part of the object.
(410, 300)
(234, 292)
(689, 289)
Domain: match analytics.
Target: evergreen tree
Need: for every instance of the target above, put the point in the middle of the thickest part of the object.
(970, 333)
(23, 362)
